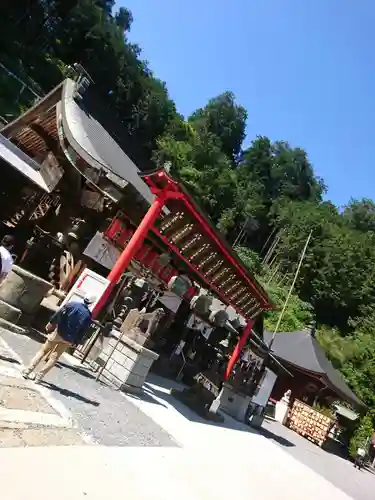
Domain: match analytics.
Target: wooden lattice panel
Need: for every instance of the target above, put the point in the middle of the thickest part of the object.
(186, 235)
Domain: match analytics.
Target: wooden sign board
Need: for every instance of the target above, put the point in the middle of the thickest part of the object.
(88, 283)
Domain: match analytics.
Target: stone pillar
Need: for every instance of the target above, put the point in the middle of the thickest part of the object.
(282, 408)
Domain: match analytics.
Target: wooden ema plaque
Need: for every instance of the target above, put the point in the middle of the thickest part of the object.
(309, 423)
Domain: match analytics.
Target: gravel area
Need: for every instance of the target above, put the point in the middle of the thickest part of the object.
(101, 412)
(14, 437)
(21, 398)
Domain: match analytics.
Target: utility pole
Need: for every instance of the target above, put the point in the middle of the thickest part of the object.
(272, 247)
(242, 233)
(291, 289)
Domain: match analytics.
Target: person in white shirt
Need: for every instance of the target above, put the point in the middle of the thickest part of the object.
(6, 259)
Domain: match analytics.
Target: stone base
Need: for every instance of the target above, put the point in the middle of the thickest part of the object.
(12, 327)
(9, 313)
(255, 415)
(281, 412)
(128, 366)
(24, 290)
(256, 421)
(233, 403)
(197, 399)
(20, 296)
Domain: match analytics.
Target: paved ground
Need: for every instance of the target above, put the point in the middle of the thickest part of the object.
(189, 459)
(360, 485)
(275, 444)
(102, 414)
(149, 473)
(28, 417)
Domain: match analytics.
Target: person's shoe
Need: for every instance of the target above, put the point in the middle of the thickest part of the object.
(26, 373)
(38, 378)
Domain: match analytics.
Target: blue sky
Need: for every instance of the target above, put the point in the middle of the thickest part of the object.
(304, 70)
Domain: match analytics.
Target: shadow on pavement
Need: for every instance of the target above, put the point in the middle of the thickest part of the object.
(7, 359)
(145, 396)
(158, 396)
(39, 337)
(71, 394)
(81, 371)
(189, 414)
(274, 437)
(36, 335)
(369, 469)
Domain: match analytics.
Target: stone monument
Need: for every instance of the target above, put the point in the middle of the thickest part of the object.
(282, 408)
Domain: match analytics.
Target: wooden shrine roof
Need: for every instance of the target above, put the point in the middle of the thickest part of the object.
(188, 233)
(302, 351)
(61, 123)
(35, 131)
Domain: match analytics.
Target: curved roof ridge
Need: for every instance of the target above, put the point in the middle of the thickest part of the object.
(95, 145)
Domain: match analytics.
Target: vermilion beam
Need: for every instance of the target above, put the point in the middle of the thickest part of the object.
(173, 186)
(240, 345)
(130, 250)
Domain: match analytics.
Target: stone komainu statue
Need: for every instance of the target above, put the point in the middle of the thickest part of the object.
(140, 326)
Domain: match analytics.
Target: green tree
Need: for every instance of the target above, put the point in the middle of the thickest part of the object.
(362, 435)
(337, 275)
(297, 314)
(249, 258)
(38, 36)
(360, 214)
(198, 161)
(226, 120)
(269, 173)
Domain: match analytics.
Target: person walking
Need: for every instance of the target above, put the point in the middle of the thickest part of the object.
(6, 259)
(66, 328)
(360, 458)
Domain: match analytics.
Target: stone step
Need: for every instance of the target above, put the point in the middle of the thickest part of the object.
(9, 313)
(7, 325)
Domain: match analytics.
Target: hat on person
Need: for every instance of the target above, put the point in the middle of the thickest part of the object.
(89, 299)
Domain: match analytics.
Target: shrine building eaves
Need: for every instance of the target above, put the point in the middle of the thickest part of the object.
(187, 231)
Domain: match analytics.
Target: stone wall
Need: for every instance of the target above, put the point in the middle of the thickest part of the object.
(129, 364)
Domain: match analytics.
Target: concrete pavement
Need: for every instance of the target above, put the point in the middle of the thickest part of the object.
(98, 411)
(188, 457)
(277, 454)
(29, 415)
(360, 485)
(95, 473)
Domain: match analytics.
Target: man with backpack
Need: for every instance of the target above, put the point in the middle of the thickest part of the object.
(66, 328)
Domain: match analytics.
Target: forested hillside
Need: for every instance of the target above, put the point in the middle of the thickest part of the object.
(268, 189)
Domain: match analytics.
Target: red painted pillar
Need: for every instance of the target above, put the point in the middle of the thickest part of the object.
(130, 250)
(240, 345)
